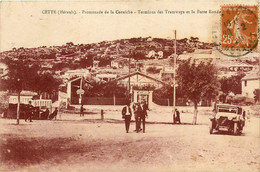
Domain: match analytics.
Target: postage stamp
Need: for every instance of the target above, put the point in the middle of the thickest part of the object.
(239, 31)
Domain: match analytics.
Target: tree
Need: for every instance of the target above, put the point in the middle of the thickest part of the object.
(44, 83)
(197, 81)
(18, 79)
(22, 75)
(231, 84)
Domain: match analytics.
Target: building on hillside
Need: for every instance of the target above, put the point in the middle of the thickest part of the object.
(76, 73)
(250, 83)
(241, 67)
(228, 68)
(119, 62)
(152, 54)
(105, 77)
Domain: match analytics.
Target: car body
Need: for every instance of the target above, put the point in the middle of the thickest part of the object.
(228, 117)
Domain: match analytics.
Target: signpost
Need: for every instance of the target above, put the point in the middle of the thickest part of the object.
(80, 91)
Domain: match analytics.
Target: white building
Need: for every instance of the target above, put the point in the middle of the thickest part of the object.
(249, 83)
(25, 97)
(119, 62)
(106, 77)
(76, 73)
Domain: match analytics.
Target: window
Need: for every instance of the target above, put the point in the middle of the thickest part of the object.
(245, 83)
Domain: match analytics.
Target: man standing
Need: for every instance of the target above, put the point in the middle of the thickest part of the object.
(144, 108)
(54, 114)
(137, 112)
(81, 110)
(127, 114)
(29, 112)
(177, 116)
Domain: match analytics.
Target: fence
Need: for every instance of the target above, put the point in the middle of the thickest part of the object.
(101, 101)
(42, 103)
(169, 102)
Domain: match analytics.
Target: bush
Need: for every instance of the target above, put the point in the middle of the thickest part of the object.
(153, 70)
(240, 100)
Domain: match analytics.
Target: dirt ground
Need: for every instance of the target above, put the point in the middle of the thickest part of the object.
(73, 143)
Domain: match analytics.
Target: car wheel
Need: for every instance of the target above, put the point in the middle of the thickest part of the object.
(235, 128)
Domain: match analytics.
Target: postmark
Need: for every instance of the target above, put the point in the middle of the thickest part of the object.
(239, 30)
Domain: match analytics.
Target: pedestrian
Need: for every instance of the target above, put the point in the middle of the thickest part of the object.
(177, 116)
(144, 108)
(127, 114)
(54, 114)
(45, 114)
(29, 112)
(81, 110)
(137, 113)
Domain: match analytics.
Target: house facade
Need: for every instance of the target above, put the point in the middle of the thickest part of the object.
(139, 79)
(250, 83)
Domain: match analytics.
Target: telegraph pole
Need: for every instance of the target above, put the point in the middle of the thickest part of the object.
(129, 85)
(174, 76)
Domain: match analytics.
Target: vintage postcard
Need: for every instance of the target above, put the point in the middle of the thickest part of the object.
(140, 85)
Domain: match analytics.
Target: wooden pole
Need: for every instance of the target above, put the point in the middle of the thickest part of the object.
(174, 76)
(129, 85)
(80, 95)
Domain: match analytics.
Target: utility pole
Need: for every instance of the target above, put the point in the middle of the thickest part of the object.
(174, 76)
(129, 85)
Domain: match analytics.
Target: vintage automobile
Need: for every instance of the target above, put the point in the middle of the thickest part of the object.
(228, 117)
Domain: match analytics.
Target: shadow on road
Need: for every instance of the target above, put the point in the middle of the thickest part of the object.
(227, 133)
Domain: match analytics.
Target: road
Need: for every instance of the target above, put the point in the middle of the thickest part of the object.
(87, 143)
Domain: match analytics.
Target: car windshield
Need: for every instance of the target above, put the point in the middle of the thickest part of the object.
(227, 109)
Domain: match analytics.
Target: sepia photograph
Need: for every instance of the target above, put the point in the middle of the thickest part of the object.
(123, 86)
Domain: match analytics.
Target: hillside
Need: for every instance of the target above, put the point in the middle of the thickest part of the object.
(83, 55)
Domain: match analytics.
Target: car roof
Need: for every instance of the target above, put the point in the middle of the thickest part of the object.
(228, 105)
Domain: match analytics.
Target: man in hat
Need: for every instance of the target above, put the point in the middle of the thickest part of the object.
(143, 114)
(29, 112)
(177, 116)
(127, 114)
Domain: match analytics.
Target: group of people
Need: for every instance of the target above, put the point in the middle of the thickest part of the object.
(140, 113)
(31, 112)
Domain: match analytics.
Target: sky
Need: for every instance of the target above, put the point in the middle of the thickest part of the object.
(23, 24)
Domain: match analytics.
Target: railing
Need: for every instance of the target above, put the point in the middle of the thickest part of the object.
(100, 101)
(42, 103)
